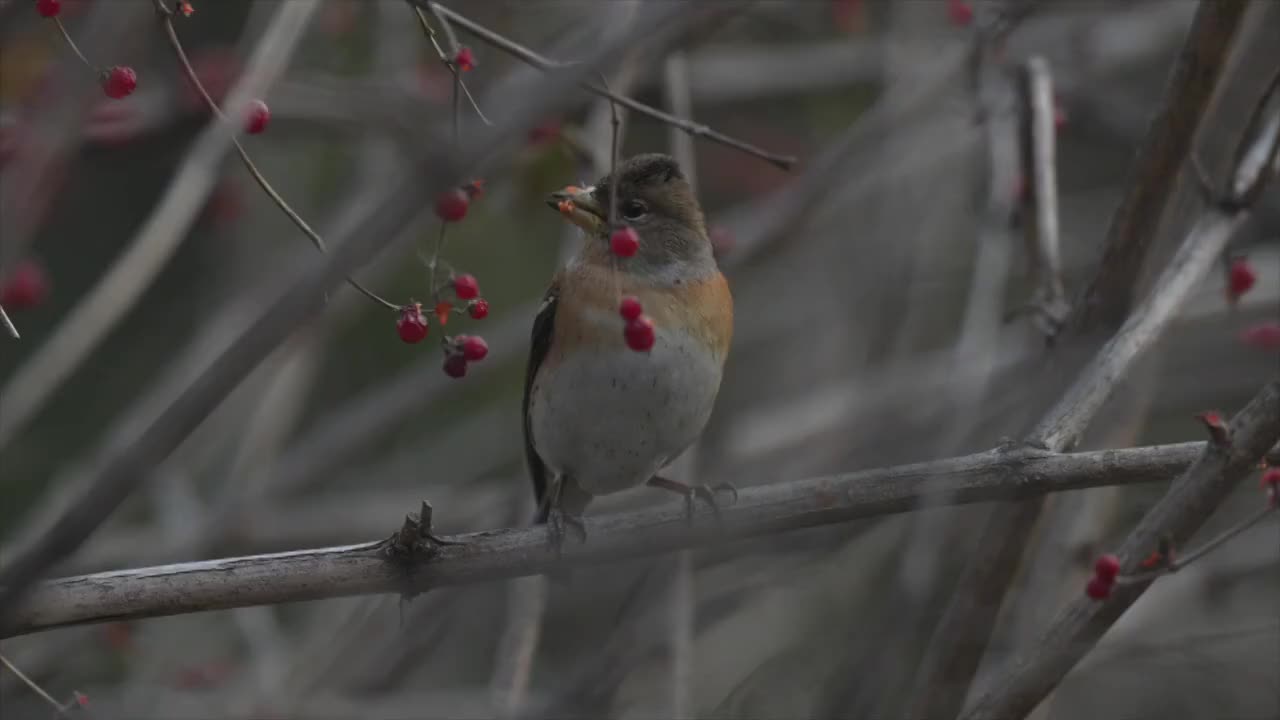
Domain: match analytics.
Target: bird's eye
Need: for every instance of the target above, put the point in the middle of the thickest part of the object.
(633, 209)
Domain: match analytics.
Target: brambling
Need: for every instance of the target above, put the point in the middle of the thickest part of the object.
(600, 417)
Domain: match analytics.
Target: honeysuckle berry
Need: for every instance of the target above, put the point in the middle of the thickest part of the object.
(466, 287)
(1107, 567)
(1264, 336)
(186, 8)
(640, 334)
(624, 242)
(412, 325)
(959, 13)
(465, 60)
(1240, 278)
(48, 8)
(452, 206)
(478, 309)
(473, 347)
(119, 82)
(630, 308)
(455, 365)
(1098, 589)
(257, 117)
(26, 287)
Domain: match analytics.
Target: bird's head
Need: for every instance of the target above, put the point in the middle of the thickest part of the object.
(655, 200)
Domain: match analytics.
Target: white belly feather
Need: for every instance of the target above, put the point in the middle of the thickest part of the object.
(614, 418)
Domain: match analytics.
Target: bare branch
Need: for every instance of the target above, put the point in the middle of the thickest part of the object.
(9, 327)
(1039, 158)
(1187, 100)
(363, 569)
(1027, 679)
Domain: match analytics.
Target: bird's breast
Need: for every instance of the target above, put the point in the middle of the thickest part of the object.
(612, 417)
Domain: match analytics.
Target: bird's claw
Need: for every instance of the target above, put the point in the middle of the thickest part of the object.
(558, 524)
(706, 492)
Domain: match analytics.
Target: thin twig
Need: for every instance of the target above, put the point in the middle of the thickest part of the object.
(542, 63)
(1209, 546)
(445, 59)
(171, 33)
(1028, 677)
(494, 554)
(72, 44)
(58, 707)
(8, 324)
(1039, 161)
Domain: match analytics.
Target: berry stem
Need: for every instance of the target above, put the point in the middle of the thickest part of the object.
(445, 57)
(8, 324)
(72, 43)
(529, 57)
(166, 17)
(1205, 549)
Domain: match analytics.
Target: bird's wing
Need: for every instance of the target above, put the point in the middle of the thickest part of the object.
(543, 329)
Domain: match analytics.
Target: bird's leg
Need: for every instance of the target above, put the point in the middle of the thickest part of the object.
(568, 502)
(706, 492)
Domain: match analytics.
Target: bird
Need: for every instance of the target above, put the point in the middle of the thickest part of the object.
(599, 416)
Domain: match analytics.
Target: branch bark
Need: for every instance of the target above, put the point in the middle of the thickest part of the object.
(1189, 502)
(125, 463)
(1000, 474)
(1133, 227)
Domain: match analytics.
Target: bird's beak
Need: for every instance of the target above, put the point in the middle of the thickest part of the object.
(579, 206)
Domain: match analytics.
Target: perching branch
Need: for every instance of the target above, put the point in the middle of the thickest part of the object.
(1001, 474)
(126, 463)
(532, 58)
(1030, 676)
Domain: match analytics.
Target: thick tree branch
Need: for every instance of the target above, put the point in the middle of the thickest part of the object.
(1133, 227)
(1000, 474)
(964, 631)
(1189, 502)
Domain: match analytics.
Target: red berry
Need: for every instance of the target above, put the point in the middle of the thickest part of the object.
(639, 334)
(625, 242)
(466, 287)
(545, 133)
(1098, 589)
(630, 308)
(1265, 336)
(412, 324)
(452, 206)
(455, 366)
(465, 60)
(1240, 278)
(186, 8)
(48, 8)
(26, 287)
(959, 13)
(1270, 481)
(120, 81)
(1107, 567)
(474, 348)
(257, 117)
(478, 309)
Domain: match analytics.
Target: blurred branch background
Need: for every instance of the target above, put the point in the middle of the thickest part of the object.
(871, 330)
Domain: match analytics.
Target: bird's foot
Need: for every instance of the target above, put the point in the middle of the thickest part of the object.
(414, 540)
(706, 492)
(559, 523)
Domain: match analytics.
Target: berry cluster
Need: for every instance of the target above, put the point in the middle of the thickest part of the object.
(1105, 572)
(638, 330)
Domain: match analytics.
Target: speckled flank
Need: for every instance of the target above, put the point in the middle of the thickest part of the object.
(631, 412)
